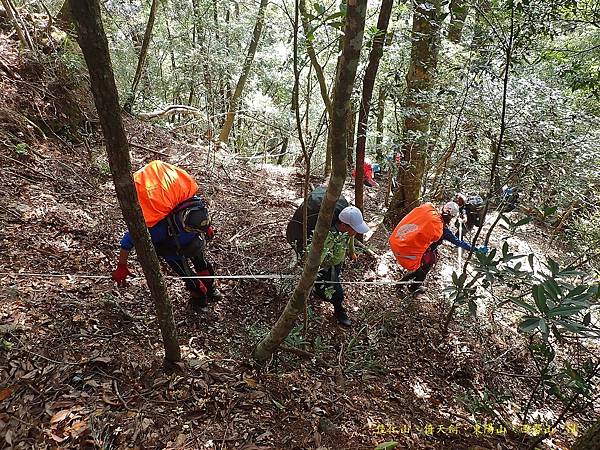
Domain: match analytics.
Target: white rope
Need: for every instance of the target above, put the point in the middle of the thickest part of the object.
(207, 277)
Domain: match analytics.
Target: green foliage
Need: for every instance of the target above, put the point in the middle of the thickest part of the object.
(21, 148)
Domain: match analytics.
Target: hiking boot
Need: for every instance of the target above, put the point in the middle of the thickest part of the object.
(342, 317)
(214, 295)
(418, 289)
(198, 305)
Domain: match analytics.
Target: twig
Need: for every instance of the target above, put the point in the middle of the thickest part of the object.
(28, 167)
(305, 354)
(142, 147)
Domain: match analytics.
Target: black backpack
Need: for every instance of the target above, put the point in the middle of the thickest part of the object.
(294, 229)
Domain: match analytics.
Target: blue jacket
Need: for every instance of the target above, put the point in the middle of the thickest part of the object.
(449, 236)
(159, 234)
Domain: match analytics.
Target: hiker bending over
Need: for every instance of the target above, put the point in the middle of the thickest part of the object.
(416, 238)
(179, 226)
(347, 222)
(470, 213)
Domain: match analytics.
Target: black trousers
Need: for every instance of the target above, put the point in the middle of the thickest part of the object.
(418, 276)
(332, 292)
(183, 268)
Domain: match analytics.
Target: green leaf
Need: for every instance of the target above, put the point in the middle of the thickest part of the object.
(524, 304)
(587, 319)
(530, 259)
(472, 306)
(320, 9)
(387, 445)
(553, 266)
(539, 294)
(529, 324)
(552, 288)
(522, 222)
(279, 405)
(548, 211)
(504, 249)
(565, 311)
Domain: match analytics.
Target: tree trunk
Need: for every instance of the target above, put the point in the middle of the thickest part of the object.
(342, 91)
(310, 50)
(233, 103)
(367, 93)
(93, 43)
(350, 133)
(64, 18)
(590, 440)
(21, 32)
(380, 116)
(459, 9)
(419, 82)
(142, 58)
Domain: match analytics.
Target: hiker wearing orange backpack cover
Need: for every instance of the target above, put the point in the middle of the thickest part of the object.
(179, 224)
(416, 238)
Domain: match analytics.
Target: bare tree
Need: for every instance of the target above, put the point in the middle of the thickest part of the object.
(346, 73)
(93, 43)
(235, 99)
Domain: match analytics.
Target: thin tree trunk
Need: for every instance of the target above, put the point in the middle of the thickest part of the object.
(380, 116)
(459, 9)
(93, 43)
(350, 134)
(12, 15)
(346, 73)
(419, 83)
(142, 57)
(310, 50)
(233, 103)
(367, 93)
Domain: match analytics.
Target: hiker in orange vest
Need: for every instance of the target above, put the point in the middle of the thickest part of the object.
(416, 238)
(179, 224)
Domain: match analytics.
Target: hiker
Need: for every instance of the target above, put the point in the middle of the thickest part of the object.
(470, 213)
(510, 196)
(416, 238)
(179, 226)
(346, 223)
(369, 174)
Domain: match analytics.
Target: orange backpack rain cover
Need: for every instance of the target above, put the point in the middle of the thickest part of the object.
(414, 234)
(160, 188)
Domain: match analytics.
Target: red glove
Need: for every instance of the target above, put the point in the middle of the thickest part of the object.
(210, 233)
(120, 274)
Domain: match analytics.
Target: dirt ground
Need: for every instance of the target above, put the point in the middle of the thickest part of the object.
(80, 360)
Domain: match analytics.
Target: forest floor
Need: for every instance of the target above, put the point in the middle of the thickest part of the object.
(80, 360)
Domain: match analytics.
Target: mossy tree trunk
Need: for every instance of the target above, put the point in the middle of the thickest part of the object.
(417, 104)
(93, 43)
(342, 91)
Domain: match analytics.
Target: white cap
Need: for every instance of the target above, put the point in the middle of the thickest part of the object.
(352, 216)
(451, 209)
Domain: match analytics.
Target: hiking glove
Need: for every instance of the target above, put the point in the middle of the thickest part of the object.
(210, 233)
(120, 274)
(483, 249)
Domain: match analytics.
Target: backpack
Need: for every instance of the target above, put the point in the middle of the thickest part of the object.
(161, 188)
(414, 234)
(315, 199)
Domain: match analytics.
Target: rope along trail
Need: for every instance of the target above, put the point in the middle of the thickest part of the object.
(207, 277)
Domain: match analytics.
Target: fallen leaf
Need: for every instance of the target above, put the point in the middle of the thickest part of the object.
(6, 392)
(250, 382)
(60, 416)
(8, 437)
